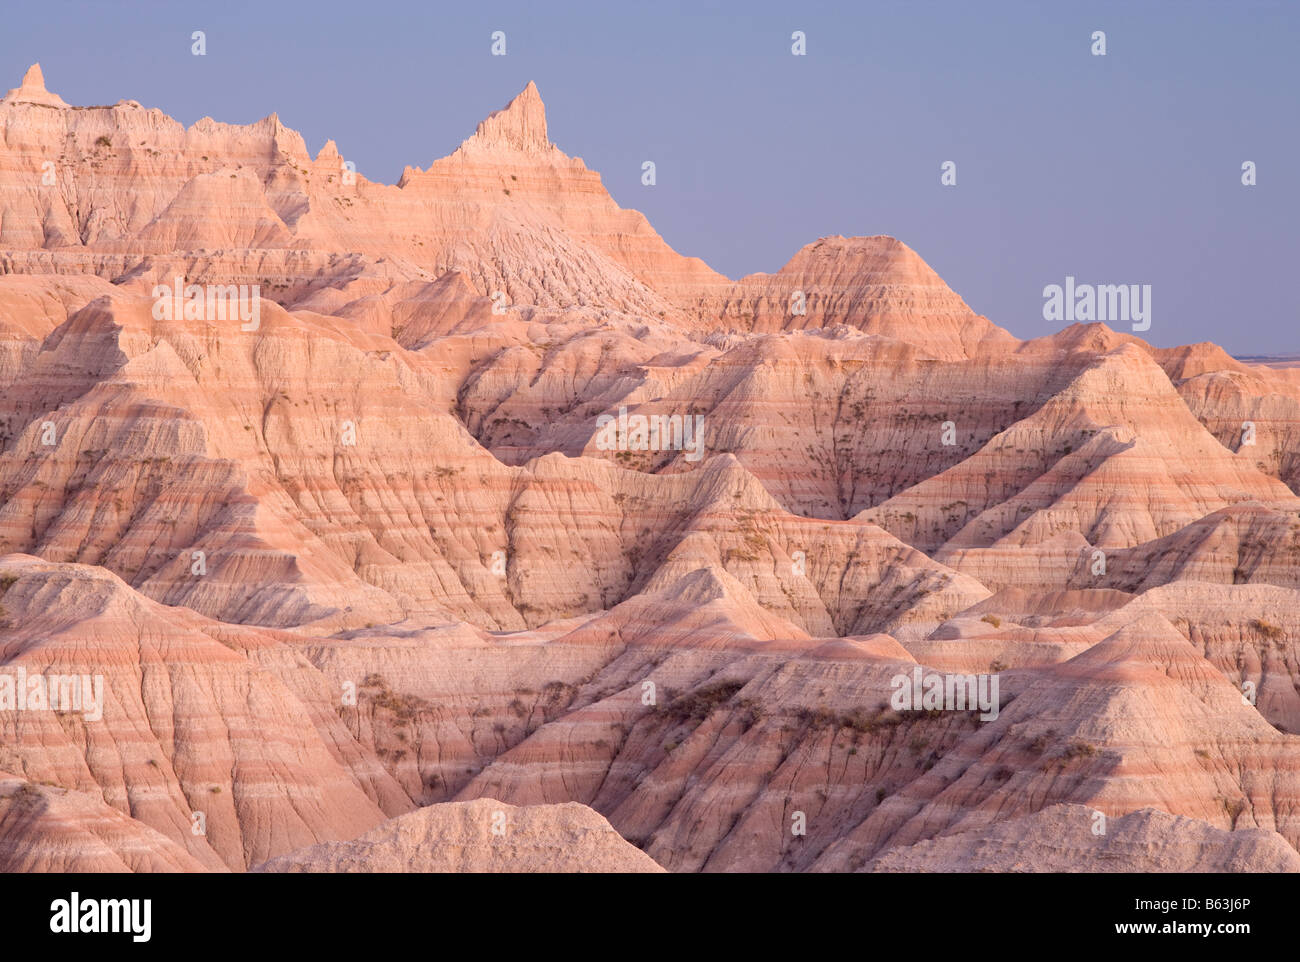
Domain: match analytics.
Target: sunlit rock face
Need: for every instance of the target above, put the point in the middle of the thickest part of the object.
(372, 513)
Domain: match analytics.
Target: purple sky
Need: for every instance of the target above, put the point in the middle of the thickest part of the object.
(1117, 169)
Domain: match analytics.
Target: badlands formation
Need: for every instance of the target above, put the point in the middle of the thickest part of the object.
(375, 571)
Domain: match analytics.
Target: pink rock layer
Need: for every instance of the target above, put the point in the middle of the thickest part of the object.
(354, 570)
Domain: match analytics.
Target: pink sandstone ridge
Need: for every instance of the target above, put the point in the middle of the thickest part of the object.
(336, 490)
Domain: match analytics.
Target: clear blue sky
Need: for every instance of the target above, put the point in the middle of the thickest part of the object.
(1117, 169)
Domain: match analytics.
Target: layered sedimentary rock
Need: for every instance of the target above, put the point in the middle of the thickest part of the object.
(44, 828)
(877, 284)
(366, 539)
(183, 722)
(479, 836)
(1061, 839)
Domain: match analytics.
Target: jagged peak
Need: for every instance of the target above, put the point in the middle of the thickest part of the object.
(520, 125)
(330, 152)
(32, 90)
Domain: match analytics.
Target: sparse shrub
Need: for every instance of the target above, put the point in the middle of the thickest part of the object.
(28, 796)
(993, 620)
(1233, 808)
(859, 720)
(700, 704)
(1043, 741)
(751, 713)
(887, 718)
(405, 707)
(817, 718)
(1267, 629)
(1079, 749)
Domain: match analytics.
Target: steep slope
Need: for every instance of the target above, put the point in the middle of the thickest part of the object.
(877, 284)
(1061, 839)
(372, 548)
(50, 829)
(187, 722)
(480, 836)
(507, 209)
